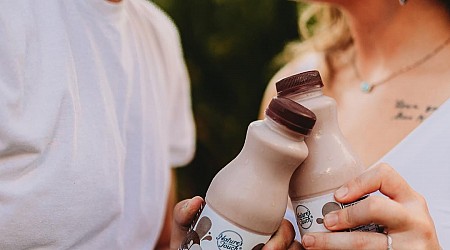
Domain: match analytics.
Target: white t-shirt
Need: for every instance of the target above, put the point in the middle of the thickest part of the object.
(94, 109)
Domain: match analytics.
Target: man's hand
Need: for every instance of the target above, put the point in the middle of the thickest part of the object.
(186, 210)
(283, 238)
(183, 215)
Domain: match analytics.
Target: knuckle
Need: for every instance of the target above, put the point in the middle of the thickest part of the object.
(345, 217)
(357, 183)
(323, 241)
(420, 199)
(384, 170)
(425, 231)
(374, 204)
(423, 224)
(362, 242)
(429, 233)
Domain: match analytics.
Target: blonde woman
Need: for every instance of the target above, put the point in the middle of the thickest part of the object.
(387, 64)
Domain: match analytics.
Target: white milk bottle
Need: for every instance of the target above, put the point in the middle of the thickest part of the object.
(246, 201)
(330, 162)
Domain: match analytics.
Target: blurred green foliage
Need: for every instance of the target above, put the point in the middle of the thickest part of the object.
(229, 47)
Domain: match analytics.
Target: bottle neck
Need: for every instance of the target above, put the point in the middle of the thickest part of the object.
(314, 92)
(279, 144)
(324, 107)
(282, 130)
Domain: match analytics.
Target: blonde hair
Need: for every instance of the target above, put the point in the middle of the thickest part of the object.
(322, 29)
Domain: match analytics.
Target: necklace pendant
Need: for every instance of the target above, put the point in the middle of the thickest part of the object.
(366, 87)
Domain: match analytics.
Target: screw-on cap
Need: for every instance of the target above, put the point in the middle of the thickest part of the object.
(299, 83)
(292, 115)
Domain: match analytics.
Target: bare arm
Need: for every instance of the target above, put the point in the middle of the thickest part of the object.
(164, 238)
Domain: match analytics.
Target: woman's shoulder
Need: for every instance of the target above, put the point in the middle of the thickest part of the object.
(305, 62)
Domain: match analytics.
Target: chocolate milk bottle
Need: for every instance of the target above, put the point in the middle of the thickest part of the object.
(330, 163)
(246, 200)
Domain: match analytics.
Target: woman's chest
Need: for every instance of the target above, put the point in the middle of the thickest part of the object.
(373, 126)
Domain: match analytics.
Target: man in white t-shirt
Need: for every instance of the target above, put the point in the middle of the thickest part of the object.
(94, 109)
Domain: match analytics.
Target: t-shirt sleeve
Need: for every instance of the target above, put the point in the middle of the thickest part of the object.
(181, 127)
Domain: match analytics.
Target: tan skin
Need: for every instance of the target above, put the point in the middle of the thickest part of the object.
(164, 238)
(387, 37)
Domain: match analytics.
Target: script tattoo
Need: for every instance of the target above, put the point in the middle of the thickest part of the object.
(408, 111)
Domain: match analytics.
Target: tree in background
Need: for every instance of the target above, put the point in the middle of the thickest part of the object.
(229, 46)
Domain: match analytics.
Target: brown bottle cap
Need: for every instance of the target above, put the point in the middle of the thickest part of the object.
(299, 83)
(292, 115)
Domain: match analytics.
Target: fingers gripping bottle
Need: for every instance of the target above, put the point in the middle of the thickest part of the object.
(246, 200)
(330, 163)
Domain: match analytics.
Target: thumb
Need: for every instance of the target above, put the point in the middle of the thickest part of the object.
(183, 215)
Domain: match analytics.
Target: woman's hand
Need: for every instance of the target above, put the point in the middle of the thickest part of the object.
(184, 214)
(403, 213)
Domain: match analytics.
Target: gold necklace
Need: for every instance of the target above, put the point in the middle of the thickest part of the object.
(367, 86)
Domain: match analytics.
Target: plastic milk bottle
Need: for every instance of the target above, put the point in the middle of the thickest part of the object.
(246, 200)
(330, 163)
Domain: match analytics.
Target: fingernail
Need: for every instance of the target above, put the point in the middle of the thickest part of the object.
(341, 192)
(308, 241)
(331, 219)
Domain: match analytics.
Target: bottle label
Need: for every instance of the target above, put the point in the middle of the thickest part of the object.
(211, 231)
(310, 213)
